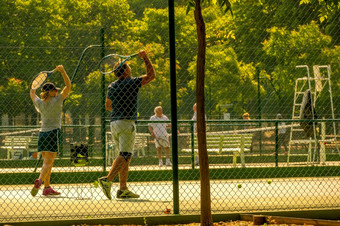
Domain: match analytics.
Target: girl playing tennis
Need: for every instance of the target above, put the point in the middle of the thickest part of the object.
(50, 108)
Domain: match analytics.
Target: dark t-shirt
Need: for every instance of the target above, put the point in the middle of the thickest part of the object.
(123, 94)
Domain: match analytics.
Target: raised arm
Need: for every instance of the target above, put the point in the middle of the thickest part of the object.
(32, 94)
(67, 81)
(150, 71)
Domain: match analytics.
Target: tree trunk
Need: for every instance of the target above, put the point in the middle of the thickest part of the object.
(206, 218)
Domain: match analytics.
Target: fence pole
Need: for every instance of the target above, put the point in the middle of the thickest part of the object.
(192, 131)
(276, 144)
(259, 107)
(323, 146)
(172, 47)
(102, 39)
(243, 162)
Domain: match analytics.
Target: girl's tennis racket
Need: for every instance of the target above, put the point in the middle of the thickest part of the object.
(40, 79)
(108, 64)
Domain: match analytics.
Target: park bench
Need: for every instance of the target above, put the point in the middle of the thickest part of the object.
(219, 143)
(141, 143)
(16, 145)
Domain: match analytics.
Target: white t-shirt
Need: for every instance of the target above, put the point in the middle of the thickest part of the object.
(50, 112)
(282, 130)
(159, 128)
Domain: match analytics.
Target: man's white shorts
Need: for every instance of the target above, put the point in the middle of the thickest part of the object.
(123, 134)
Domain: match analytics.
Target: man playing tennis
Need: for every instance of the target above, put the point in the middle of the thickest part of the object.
(161, 136)
(50, 108)
(121, 101)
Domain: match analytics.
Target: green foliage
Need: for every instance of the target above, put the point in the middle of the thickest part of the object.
(224, 5)
(230, 81)
(327, 7)
(154, 26)
(136, 6)
(14, 96)
(274, 36)
(291, 48)
(303, 46)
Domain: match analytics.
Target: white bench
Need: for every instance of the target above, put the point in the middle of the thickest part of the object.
(141, 142)
(237, 144)
(16, 145)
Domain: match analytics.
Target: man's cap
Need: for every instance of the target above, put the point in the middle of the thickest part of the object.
(49, 86)
(278, 116)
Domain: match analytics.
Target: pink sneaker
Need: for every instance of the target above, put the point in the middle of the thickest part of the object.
(35, 189)
(49, 191)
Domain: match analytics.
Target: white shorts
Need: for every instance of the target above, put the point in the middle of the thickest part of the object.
(123, 134)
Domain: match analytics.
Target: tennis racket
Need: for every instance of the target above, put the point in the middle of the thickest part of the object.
(162, 142)
(37, 163)
(40, 79)
(108, 64)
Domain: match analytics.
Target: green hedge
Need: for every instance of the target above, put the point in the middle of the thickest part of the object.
(188, 174)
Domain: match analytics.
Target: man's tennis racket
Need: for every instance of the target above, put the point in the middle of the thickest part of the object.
(162, 142)
(40, 79)
(107, 63)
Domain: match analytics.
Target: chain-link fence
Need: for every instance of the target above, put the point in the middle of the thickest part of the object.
(271, 97)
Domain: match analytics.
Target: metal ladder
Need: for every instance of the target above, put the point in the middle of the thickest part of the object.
(319, 83)
(301, 85)
(322, 83)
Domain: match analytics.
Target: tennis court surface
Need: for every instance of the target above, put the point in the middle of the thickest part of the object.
(85, 201)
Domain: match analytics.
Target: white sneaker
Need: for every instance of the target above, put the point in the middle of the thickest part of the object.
(168, 163)
(160, 163)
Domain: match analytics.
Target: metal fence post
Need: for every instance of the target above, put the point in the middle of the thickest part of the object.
(192, 132)
(103, 129)
(276, 144)
(172, 47)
